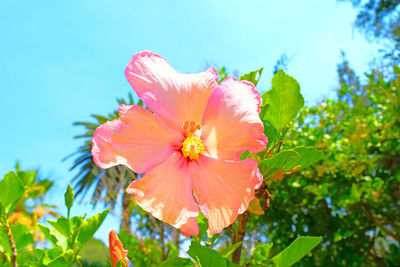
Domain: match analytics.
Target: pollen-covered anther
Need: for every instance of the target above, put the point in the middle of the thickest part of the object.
(192, 147)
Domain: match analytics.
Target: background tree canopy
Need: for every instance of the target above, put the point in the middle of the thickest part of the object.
(351, 198)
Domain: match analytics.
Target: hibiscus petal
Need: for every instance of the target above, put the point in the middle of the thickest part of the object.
(231, 123)
(166, 192)
(190, 228)
(173, 96)
(138, 139)
(224, 189)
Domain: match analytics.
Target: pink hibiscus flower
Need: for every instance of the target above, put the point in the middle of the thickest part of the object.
(189, 148)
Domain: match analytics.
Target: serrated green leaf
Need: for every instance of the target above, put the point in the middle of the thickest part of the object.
(228, 251)
(177, 262)
(269, 167)
(297, 250)
(253, 76)
(307, 157)
(90, 226)
(21, 235)
(69, 197)
(205, 256)
(11, 190)
(47, 233)
(285, 101)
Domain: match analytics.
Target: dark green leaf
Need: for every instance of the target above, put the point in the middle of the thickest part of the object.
(205, 256)
(227, 252)
(307, 156)
(285, 100)
(177, 262)
(297, 250)
(269, 167)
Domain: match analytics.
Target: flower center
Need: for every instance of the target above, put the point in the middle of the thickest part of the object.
(192, 147)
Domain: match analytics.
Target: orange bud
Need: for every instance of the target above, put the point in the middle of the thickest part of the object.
(117, 251)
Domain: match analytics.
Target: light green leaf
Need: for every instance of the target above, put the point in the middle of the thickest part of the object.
(61, 225)
(285, 101)
(308, 156)
(51, 254)
(90, 226)
(203, 225)
(21, 235)
(228, 251)
(269, 167)
(11, 190)
(4, 241)
(47, 233)
(69, 197)
(297, 250)
(253, 76)
(177, 262)
(261, 252)
(205, 256)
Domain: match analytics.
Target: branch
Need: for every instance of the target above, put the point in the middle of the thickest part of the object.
(369, 214)
(241, 232)
(12, 245)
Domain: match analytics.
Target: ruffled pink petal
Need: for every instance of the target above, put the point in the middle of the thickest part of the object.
(138, 139)
(190, 228)
(231, 123)
(224, 189)
(166, 192)
(173, 96)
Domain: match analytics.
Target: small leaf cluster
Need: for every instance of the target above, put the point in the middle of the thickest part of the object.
(67, 235)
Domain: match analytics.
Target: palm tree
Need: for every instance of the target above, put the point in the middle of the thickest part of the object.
(108, 184)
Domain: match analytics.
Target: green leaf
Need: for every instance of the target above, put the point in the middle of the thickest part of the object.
(90, 226)
(297, 250)
(261, 252)
(52, 254)
(269, 167)
(177, 262)
(285, 101)
(21, 235)
(47, 233)
(61, 225)
(227, 252)
(205, 256)
(203, 225)
(4, 241)
(253, 76)
(69, 197)
(11, 190)
(244, 155)
(271, 134)
(307, 157)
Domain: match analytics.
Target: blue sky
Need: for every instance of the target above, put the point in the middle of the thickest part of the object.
(64, 60)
